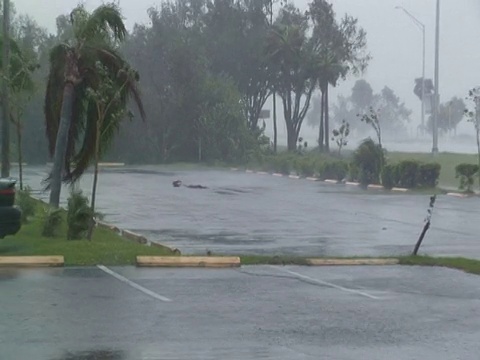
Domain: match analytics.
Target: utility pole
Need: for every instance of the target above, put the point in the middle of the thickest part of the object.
(436, 100)
(6, 95)
(274, 95)
(422, 28)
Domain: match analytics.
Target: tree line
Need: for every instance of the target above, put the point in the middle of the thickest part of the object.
(206, 69)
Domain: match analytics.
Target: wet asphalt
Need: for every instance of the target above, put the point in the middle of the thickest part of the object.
(243, 213)
(258, 312)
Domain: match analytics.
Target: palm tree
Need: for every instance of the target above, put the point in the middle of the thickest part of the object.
(70, 114)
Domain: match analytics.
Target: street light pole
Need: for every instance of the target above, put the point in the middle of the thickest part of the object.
(422, 27)
(437, 97)
(5, 96)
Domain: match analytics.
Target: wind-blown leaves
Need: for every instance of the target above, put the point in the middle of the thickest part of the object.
(97, 36)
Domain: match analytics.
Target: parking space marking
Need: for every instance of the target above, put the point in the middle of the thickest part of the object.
(326, 283)
(132, 284)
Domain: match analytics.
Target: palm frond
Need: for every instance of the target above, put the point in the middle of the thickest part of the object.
(106, 20)
(54, 93)
(119, 70)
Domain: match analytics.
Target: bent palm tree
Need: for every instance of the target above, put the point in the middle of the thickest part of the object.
(71, 116)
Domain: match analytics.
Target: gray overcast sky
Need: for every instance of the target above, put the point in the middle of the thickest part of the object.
(393, 40)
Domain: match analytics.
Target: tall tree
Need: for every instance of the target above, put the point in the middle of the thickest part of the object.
(290, 52)
(69, 113)
(340, 48)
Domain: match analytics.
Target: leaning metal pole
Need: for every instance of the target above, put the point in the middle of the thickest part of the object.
(6, 77)
(436, 99)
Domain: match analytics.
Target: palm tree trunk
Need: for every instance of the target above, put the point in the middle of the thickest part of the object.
(61, 144)
(321, 128)
(95, 177)
(327, 122)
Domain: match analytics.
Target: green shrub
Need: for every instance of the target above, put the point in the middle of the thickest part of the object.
(26, 203)
(305, 166)
(389, 176)
(335, 170)
(51, 222)
(369, 159)
(79, 215)
(466, 173)
(429, 174)
(408, 173)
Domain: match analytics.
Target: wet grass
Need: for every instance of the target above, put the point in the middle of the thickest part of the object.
(468, 265)
(448, 162)
(106, 247)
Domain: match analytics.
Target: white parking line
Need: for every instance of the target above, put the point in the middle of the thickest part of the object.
(132, 284)
(325, 283)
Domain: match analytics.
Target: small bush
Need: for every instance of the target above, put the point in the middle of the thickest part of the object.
(305, 166)
(282, 164)
(429, 174)
(466, 173)
(26, 203)
(389, 176)
(335, 170)
(369, 159)
(79, 215)
(51, 223)
(408, 173)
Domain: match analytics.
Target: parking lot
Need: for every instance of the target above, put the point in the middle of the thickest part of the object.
(258, 312)
(243, 213)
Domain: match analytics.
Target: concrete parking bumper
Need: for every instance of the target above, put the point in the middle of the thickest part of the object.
(189, 261)
(31, 261)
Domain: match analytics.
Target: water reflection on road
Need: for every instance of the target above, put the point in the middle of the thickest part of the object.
(251, 213)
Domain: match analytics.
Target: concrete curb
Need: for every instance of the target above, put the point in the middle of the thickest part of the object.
(189, 261)
(351, 262)
(327, 181)
(130, 235)
(32, 261)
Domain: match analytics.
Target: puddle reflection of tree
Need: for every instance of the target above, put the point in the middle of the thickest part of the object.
(94, 355)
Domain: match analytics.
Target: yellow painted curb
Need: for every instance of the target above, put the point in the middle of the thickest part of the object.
(312, 178)
(351, 262)
(373, 186)
(294, 177)
(330, 181)
(31, 261)
(277, 174)
(189, 261)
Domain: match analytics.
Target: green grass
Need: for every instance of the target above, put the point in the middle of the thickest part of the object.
(468, 265)
(448, 161)
(106, 247)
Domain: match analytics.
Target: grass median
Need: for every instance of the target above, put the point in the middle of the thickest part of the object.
(106, 247)
(468, 265)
